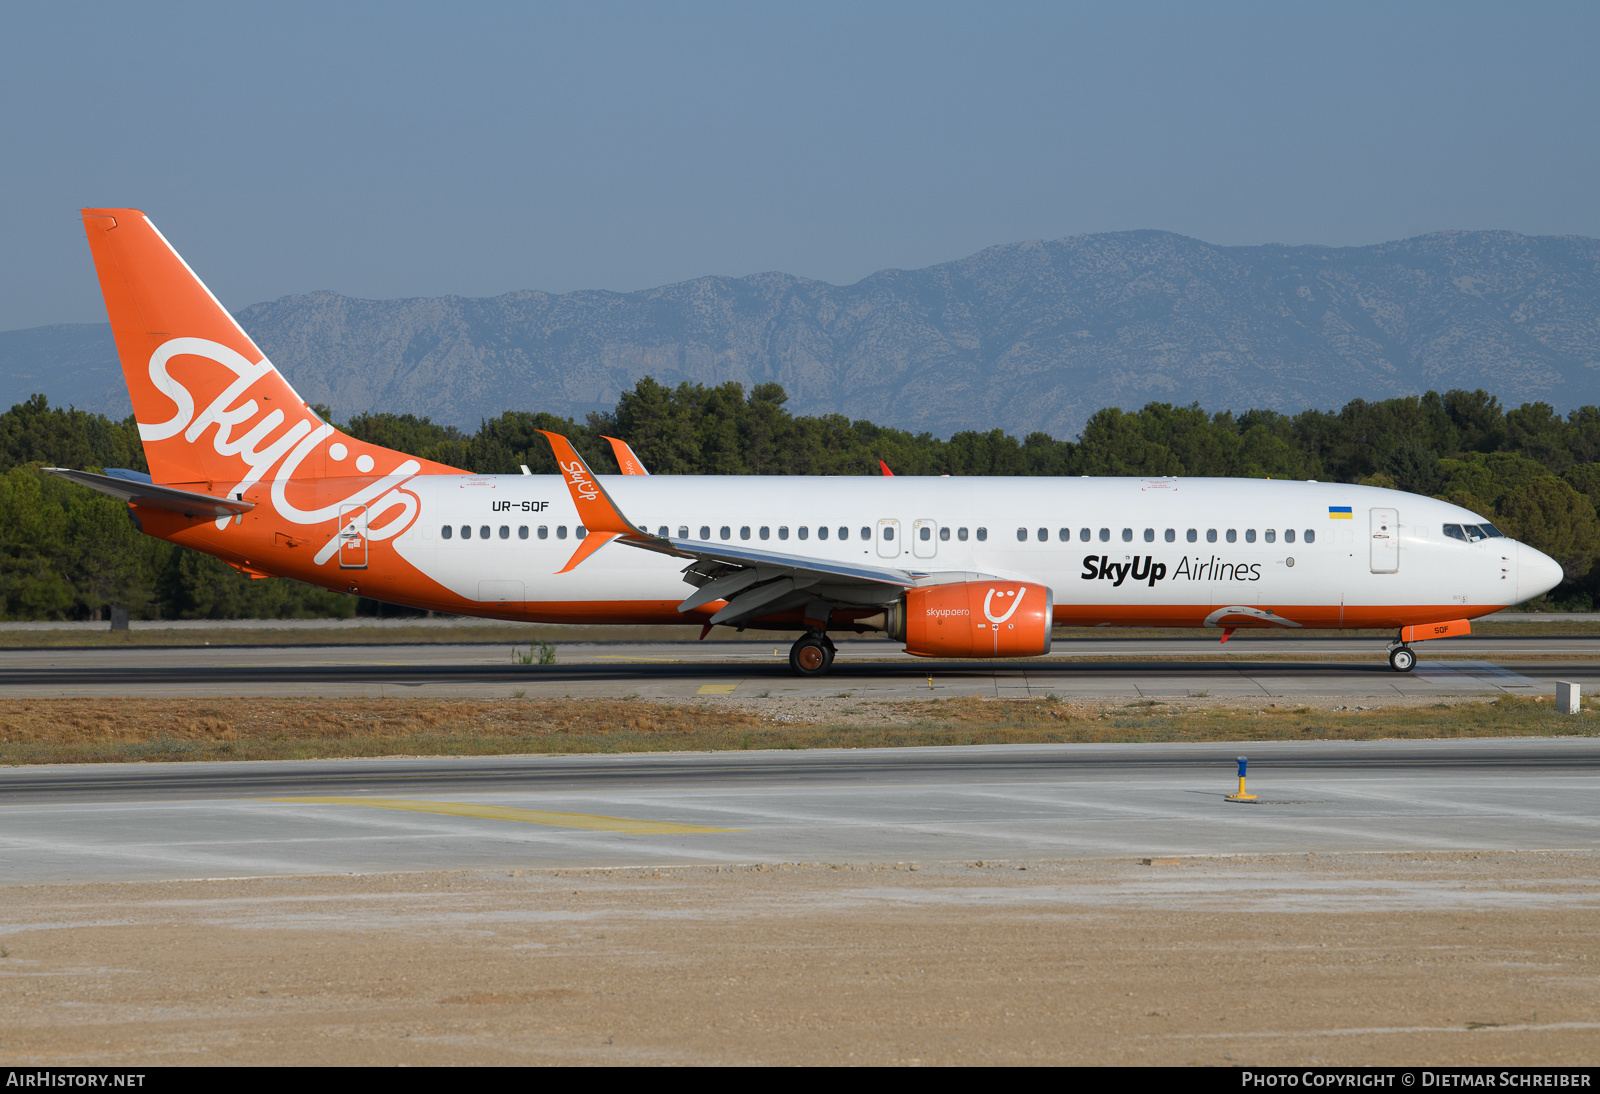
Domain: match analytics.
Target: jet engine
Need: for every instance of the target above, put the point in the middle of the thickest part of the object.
(972, 619)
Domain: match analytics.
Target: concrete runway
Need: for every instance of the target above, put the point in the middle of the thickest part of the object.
(1079, 668)
(166, 821)
(1012, 803)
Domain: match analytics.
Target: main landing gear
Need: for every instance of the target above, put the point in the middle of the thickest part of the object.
(811, 655)
(1402, 658)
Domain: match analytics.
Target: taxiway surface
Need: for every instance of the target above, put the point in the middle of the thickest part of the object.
(1014, 803)
(1279, 667)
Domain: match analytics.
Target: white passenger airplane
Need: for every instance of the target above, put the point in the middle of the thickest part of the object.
(242, 468)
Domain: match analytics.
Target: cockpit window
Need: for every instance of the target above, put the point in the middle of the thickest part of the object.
(1453, 531)
(1472, 533)
(1492, 532)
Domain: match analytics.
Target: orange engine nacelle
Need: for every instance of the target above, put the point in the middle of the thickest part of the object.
(974, 619)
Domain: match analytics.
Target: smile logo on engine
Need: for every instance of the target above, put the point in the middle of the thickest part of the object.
(1011, 611)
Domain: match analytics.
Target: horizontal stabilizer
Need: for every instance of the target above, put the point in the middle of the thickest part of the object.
(187, 502)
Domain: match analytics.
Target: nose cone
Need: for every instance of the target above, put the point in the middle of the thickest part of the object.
(1537, 573)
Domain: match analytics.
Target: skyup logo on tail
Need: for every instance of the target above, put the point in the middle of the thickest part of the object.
(260, 451)
(206, 374)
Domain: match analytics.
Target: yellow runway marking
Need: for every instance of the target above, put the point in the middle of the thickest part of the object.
(591, 821)
(716, 689)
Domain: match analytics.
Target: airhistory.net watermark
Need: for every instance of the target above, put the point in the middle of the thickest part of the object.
(52, 1078)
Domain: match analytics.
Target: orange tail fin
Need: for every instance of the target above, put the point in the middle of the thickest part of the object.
(187, 363)
(191, 368)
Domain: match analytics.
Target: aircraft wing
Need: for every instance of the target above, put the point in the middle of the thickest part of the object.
(756, 582)
(187, 502)
(753, 582)
(730, 555)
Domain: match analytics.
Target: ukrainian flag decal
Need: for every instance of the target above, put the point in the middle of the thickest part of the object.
(1340, 512)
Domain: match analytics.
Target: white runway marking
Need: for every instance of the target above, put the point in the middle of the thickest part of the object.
(843, 806)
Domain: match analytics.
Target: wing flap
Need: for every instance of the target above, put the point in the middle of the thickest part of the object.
(720, 588)
(747, 604)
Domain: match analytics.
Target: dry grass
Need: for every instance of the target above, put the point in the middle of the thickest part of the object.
(1154, 721)
(119, 730)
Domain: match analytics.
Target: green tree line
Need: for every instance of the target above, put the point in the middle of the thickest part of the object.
(69, 553)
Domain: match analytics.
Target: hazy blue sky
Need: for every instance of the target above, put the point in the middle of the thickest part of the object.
(398, 149)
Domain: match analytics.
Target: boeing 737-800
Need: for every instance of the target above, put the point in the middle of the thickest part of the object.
(243, 469)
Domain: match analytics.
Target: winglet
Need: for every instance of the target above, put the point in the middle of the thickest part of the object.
(886, 470)
(626, 460)
(591, 543)
(595, 507)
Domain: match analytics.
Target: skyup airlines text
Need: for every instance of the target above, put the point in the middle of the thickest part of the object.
(1149, 571)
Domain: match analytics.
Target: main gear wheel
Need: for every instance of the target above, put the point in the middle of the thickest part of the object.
(811, 655)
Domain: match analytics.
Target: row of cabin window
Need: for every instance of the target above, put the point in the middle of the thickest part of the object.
(1192, 535)
(485, 532)
(765, 532)
(804, 532)
(926, 533)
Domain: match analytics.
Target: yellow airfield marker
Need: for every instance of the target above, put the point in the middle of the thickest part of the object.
(1241, 796)
(716, 689)
(590, 821)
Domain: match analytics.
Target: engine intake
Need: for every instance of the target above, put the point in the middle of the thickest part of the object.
(973, 619)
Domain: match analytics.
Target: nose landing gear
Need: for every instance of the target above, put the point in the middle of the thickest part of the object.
(1402, 658)
(811, 655)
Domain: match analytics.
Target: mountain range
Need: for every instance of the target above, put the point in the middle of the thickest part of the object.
(1022, 336)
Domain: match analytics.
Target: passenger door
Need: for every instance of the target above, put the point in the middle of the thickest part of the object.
(1385, 541)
